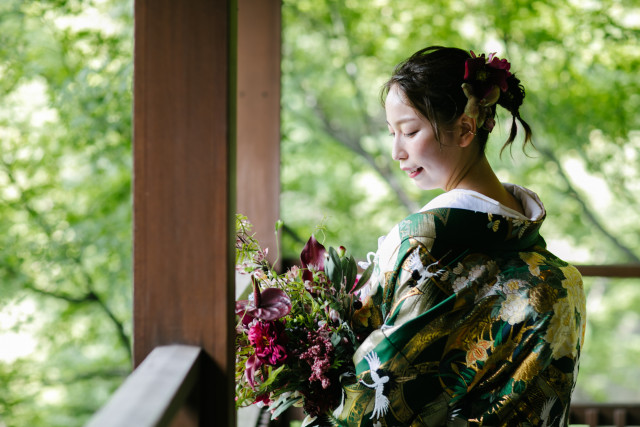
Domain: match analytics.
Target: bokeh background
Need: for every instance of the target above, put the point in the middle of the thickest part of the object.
(65, 168)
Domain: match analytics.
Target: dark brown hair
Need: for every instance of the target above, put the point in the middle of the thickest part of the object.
(431, 80)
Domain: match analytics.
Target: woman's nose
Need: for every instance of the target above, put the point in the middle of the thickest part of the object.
(397, 151)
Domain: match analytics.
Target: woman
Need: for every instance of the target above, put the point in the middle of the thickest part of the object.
(473, 321)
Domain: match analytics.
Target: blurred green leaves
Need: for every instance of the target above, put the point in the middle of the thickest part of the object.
(65, 186)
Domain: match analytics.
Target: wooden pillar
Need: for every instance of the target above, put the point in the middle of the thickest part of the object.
(184, 187)
(259, 28)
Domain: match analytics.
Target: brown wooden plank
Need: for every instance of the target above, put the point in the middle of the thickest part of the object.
(595, 414)
(184, 188)
(620, 417)
(591, 417)
(155, 391)
(258, 163)
(611, 270)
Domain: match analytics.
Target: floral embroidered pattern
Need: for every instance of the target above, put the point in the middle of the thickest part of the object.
(565, 332)
(512, 286)
(534, 260)
(493, 225)
(514, 309)
(478, 352)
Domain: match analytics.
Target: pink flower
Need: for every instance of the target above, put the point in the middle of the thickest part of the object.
(499, 64)
(269, 338)
(484, 74)
(318, 356)
(292, 273)
(263, 400)
(334, 316)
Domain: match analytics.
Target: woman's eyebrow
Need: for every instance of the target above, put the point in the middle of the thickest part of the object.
(403, 120)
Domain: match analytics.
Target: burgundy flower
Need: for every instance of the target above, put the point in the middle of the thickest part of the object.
(318, 355)
(269, 339)
(268, 305)
(263, 399)
(250, 367)
(322, 392)
(312, 258)
(486, 73)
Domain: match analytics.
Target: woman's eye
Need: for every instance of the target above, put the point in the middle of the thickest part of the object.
(410, 134)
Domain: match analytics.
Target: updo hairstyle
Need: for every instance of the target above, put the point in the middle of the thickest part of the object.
(431, 80)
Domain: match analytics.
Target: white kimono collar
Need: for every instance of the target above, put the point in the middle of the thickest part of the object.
(477, 202)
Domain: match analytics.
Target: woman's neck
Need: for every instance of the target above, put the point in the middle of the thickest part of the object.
(480, 178)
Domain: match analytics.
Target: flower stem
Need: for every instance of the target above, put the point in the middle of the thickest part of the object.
(257, 300)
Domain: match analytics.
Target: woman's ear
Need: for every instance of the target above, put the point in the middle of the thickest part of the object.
(467, 130)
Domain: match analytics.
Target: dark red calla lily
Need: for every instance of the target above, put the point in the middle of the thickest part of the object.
(273, 304)
(251, 366)
(312, 258)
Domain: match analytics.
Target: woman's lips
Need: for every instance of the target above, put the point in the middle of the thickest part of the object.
(414, 172)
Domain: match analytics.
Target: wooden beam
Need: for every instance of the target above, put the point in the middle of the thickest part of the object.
(154, 393)
(184, 187)
(611, 270)
(259, 28)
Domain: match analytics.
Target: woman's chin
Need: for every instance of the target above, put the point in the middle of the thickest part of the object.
(427, 186)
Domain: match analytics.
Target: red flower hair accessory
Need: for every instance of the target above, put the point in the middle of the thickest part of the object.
(484, 79)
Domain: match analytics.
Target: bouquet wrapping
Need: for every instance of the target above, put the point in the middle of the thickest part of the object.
(297, 331)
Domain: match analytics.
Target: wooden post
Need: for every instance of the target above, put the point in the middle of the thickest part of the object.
(184, 188)
(259, 27)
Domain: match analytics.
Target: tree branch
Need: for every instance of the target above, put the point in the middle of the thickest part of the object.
(342, 137)
(91, 295)
(585, 208)
(354, 145)
(88, 375)
(88, 297)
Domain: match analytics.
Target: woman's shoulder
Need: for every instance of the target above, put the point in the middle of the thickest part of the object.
(477, 202)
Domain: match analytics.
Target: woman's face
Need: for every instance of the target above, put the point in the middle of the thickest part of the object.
(431, 164)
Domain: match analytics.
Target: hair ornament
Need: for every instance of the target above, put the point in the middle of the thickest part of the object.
(484, 79)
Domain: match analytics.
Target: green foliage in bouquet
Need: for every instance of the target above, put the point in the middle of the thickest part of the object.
(296, 333)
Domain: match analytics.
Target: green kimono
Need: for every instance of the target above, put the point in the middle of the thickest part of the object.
(474, 323)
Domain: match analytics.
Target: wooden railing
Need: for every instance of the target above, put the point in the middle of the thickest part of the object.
(605, 414)
(154, 393)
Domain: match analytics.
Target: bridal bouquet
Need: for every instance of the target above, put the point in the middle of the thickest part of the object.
(297, 331)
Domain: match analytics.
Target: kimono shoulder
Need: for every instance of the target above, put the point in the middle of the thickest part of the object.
(454, 229)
